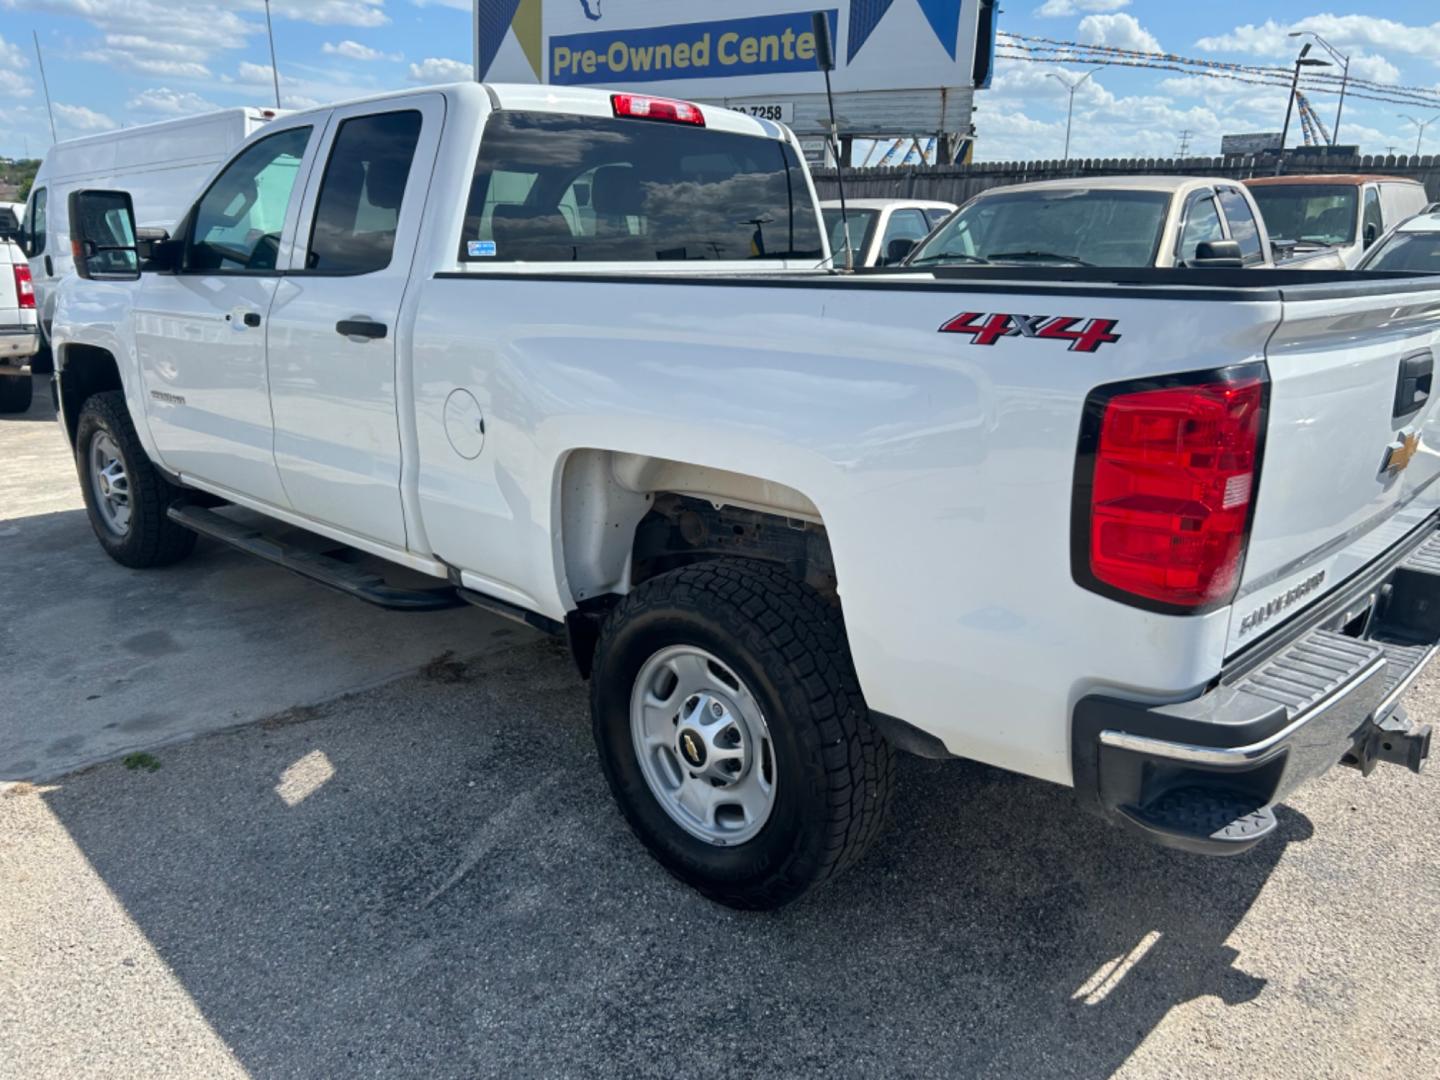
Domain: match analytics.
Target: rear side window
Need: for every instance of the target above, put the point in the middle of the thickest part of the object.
(552, 188)
(904, 225)
(361, 194)
(35, 220)
(1244, 229)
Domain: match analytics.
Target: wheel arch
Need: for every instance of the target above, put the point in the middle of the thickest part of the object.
(83, 371)
(626, 518)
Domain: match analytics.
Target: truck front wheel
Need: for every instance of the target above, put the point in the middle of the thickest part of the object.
(125, 496)
(733, 733)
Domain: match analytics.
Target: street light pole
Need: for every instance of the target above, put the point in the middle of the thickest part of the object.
(1339, 58)
(1420, 133)
(1070, 115)
(1301, 61)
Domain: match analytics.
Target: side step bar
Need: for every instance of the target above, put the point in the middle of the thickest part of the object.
(356, 581)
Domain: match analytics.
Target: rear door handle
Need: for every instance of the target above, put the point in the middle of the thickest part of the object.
(252, 319)
(362, 328)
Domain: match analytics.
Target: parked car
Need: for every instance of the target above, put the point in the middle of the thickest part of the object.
(1113, 221)
(161, 165)
(1343, 212)
(19, 336)
(1165, 537)
(1412, 247)
(882, 231)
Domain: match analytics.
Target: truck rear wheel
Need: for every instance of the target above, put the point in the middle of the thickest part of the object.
(733, 733)
(125, 496)
(16, 392)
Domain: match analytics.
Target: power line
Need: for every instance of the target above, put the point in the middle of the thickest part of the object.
(1049, 51)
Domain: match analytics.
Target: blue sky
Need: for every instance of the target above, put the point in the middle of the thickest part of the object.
(113, 62)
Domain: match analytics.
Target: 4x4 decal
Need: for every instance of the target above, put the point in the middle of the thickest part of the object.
(990, 329)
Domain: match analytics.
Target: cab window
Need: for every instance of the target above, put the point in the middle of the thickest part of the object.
(239, 221)
(1244, 229)
(1374, 217)
(904, 225)
(1202, 226)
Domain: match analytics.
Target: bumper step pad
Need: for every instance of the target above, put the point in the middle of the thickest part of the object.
(1219, 821)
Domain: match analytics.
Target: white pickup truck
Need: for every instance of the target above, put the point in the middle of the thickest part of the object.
(1165, 536)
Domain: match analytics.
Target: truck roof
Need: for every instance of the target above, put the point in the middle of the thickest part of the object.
(1332, 179)
(568, 100)
(1167, 184)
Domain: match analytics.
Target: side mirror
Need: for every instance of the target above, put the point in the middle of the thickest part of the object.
(1371, 234)
(102, 235)
(897, 251)
(1218, 255)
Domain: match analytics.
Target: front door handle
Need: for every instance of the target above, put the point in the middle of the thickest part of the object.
(362, 328)
(49, 267)
(252, 319)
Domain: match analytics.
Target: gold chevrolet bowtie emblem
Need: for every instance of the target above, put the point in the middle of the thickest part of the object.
(692, 748)
(1399, 455)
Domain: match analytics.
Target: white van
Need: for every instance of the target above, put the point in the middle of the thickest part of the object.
(162, 166)
(1345, 212)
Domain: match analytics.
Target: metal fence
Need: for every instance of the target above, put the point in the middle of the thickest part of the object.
(958, 183)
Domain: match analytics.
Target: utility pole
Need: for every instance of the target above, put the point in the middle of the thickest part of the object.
(274, 68)
(1301, 61)
(1420, 133)
(1184, 143)
(1339, 58)
(46, 84)
(1070, 115)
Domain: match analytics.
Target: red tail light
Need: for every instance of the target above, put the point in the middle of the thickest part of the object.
(641, 107)
(24, 286)
(1167, 505)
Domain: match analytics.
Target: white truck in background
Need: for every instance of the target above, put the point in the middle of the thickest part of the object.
(19, 334)
(161, 165)
(1167, 537)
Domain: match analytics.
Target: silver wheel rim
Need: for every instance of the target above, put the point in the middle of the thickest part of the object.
(110, 483)
(703, 746)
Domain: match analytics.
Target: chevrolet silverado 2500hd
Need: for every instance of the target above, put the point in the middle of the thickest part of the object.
(1166, 536)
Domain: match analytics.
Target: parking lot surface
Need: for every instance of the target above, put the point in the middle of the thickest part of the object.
(428, 877)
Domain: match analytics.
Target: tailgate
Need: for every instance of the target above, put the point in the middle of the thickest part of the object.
(1350, 457)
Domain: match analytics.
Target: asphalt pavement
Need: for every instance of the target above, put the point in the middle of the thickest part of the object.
(428, 878)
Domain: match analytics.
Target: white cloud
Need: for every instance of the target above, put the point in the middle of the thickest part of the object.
(77, 118)
(436, 69)
(353, 50)
(326, 12)
(1345, 32)
(1120, 31)
(1052, 9)
(166, 102)
(12, 56)
(12, 62)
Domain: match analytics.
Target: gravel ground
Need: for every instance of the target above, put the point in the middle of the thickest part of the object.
(430, 879)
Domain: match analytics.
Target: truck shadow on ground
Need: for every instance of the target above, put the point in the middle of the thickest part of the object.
(431, 879)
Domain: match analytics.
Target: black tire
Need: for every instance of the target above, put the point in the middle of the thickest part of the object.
(152, 539)
(16, 393)
(835, 771)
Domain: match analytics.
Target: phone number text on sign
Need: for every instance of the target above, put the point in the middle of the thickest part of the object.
(777, 112)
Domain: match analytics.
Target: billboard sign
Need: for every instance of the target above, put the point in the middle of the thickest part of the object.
(754, 54)
(1249, 145)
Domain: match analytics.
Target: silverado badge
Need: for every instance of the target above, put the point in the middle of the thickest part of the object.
(1399, 455)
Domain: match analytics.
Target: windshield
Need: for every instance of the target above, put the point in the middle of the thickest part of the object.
(862, 224)
(1414, 253)
(1076, 227)
(559, 188)
(1309, 213)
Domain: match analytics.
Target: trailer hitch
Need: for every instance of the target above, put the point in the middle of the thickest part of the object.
(1394, 739)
